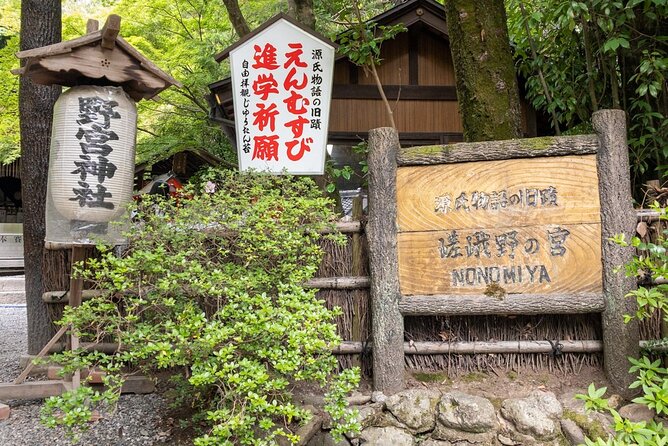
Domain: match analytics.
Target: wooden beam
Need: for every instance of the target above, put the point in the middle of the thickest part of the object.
(345, 227)
(394, 92)
(414, 54)
(19, 379)
(617, 217)
(387, 323)
(498, 150)
(138, 384)
(63, 297)
(92, 25)
(104, 347)
(31, 390)
(110, 31)
(339, 283)
(463, 305)
(480, 347)
(647, 215)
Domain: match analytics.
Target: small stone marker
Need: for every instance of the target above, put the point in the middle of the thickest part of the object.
(4, 411)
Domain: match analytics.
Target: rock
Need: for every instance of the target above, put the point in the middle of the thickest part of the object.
(365, 417)
(615, 401)
(456, 436)
(378, 397)
(368, 412)
(326, 439)
(385, 436)
(466, 412)
(432, 442)
(416, 408)
(572, 432)
(358, 399)
(549, 403)
(506, 441)
(637, 412)
(534, 415)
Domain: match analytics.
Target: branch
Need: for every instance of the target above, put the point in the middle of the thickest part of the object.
(141, 129)
(374, 72)
(236, 17)
(534, 54)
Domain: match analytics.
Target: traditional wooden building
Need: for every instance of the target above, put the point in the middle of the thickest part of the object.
(183, 164)
(418, 77)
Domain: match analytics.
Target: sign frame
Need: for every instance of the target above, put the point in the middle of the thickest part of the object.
(306, 153)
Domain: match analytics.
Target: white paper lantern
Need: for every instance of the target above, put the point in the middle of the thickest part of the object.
(91, 167)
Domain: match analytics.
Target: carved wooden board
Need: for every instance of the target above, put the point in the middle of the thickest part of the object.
(512, 226)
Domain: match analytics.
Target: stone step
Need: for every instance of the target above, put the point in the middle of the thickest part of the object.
(12, 297)
(12, 283)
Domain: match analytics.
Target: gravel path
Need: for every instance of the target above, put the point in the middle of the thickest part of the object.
(135, 423)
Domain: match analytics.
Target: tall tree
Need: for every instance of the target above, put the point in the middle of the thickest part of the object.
(236, 17)
(40, 26)
(486, 83)
(302, 10)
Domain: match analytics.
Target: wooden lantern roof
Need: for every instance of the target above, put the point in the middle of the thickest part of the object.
(101, 57)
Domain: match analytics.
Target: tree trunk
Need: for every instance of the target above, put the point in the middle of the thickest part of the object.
(40, 26)
(302, 10)
(236, 17)
(486, 82)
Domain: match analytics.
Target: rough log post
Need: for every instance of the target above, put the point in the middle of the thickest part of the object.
(386, 321)
(620, 340)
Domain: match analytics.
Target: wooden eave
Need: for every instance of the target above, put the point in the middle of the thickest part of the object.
(226, 52)
(50, 64)
(204, 157)
(431, 14)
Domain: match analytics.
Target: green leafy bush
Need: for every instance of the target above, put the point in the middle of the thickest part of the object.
(652, 377)
(210, 287)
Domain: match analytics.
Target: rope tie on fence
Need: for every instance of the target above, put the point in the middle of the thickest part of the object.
(557, 348)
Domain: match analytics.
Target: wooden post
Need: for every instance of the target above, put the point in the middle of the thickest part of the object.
(620, 340)
(76, 288)
(110, 31)
(92, 25)
(357, 270)
(386, 321)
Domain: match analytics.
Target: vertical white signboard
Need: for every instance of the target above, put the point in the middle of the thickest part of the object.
(282, 86)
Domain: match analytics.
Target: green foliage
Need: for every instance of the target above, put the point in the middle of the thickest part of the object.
(362, 41)
(181, 37)
(347, 172)
(9, 83)
(597, 54)
(652, 377)
(210, 288)
(9, 102)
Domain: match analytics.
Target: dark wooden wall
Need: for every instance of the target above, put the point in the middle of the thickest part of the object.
(419, 79)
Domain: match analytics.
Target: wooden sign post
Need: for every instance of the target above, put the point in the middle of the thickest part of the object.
(502, 227)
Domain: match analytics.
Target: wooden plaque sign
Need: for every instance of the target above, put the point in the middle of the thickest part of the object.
(515, 227)
(500, 227)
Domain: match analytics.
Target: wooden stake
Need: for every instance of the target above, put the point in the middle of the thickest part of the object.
(92, 25)
(41, 354)
(76, 287)
(357, 270)
(110, 31)
(620, 340)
